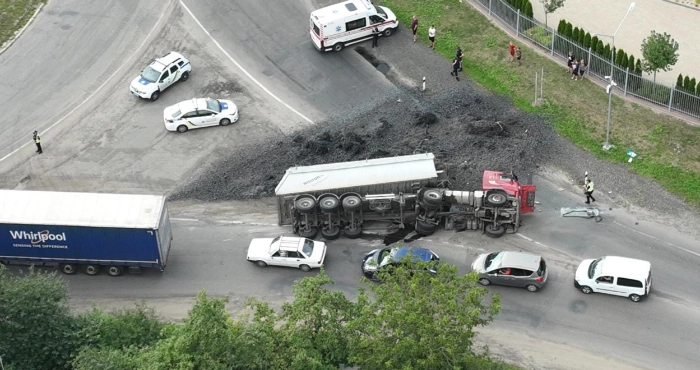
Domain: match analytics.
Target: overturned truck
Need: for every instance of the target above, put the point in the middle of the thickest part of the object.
(406, 191)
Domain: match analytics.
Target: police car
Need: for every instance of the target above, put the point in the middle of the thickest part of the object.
(160, 74)
(198, 113)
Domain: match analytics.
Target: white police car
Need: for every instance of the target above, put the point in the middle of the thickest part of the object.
(160, 74)
(198, 113)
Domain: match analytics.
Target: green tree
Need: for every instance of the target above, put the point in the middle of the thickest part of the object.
(587, 40)
(37, 330)
(415, 320)
(686, 83)
(574, 34)
(594, 43)
(91, 358)
(625, 60)
(659, 53)
(679, 82)
(528, 10)
(691, 87)
(607, 53)
(630, 63)
(638, 67)
(600, 49)
(568, 31)
(550, 6)
(561, 28)
(135, 327)
(618, 57)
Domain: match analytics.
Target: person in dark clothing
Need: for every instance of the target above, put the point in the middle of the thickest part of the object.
(414, 27)
(375, 37)
(37, 141)
(459, 56)
(455, 68)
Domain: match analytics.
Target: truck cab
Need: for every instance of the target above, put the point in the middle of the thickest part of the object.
(508, 182)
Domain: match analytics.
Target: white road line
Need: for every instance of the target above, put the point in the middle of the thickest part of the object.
(657, 239)
(183, 219)
(533, 241)
(241, 67)
(96, 90)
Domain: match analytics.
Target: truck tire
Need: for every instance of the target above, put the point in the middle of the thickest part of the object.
(115, 270)
(328, 203)
(432, 196)
(353, 233)
(494, 231)
(311, 233)
(352, 203)
(305, 205)
(305, 268)
(425, 228)
(69, 269)
(330, 234)
(92, 270)
(496, 197)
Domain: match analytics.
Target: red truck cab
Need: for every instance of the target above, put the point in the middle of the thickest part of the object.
(510, 184)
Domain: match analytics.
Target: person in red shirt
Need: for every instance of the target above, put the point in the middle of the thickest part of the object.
(511, 50)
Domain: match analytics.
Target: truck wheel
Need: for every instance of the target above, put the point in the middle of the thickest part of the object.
(338, 47)
(331, 234)
(328, 203)
(310, 234)
(115, 270)
(425, 228)
(92, 270)
(494, 231)
(69, 269)
(496, 197)
(353, 233)
(352, 203)
(432, 196)
(261, 264)
(305, 204)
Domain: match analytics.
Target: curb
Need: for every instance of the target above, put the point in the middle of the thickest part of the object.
(683, 5)
(19, 33)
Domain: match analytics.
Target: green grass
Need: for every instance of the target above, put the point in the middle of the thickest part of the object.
(668, 149)
(14, 14)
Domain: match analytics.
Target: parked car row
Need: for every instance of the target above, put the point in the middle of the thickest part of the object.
(191, 114)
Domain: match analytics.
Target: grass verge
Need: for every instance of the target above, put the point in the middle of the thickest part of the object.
(14, 14)
(668, 149)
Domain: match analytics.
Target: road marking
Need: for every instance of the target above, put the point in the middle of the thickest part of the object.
(95, 92)
(533, 241)
(657, 239)
(184, 219)
(241, 67)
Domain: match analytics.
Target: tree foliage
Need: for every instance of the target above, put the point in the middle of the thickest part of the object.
(134, 327)
(550, 6)
(659, 53)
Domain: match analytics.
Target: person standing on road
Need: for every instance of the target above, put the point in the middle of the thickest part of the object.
(455, 68)
(414, 27)
(511, 50)
(431, 36)
(37, 141)
(375, 37)
(588, 189)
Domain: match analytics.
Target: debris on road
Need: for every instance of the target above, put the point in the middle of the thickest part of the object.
(584, 212)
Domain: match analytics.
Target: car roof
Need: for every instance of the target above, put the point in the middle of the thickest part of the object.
(192, 104)
(160, 64)
(419, 253)
(344, 9)
(624, 267)
(289, 243)
(520, 260)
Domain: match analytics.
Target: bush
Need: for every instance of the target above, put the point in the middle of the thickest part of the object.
(659, 93)
(561, 28)
(691, 87)
(600, 48)
(679, 81)
(618, 58)
(630, 63)
(539, 35)
(528, 9)
(569, 30)
(638, 67)
(686, 83)
(587, 40)
(574, 34)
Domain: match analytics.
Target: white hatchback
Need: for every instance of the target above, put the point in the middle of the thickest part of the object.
(289, 251)
(198, 113)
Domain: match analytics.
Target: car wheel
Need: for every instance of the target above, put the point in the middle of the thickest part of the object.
(425, 228)
(352, 203)
(388, 32)
(338, 47)
(115, 270)
(353, 233)
(69, 269)
(185, 76)
(432, 196)
(330, 234)
(494, 231)
(225, 122)
(305, 204)
(305, 268)
(261, 264)
(635, 297)
(496, 197)
(484, 281)
(309, 234)
(92, 270)
(181, 128)
(586, 290)
(155, 95)
(328, 203)
(532, 288)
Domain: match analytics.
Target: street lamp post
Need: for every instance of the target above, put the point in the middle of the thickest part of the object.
(612, 83)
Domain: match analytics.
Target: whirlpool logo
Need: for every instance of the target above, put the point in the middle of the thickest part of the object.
(38, 237)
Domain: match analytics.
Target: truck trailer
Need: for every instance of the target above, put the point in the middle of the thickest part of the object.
(344, 198)
(84, 231)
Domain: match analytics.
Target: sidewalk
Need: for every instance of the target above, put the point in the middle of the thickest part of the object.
(604, 16)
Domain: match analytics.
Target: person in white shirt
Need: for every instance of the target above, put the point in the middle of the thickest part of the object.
(431, 36)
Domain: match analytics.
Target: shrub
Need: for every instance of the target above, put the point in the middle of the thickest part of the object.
(659, 93)
(691, 87)
(561, 28)
(574, 34)
(607, 53)
(528, 9)
(600, 49)
(679, 81)
(625, 60)
(686, 83)
(638, 67)
(630, 63)
(569, 30)
(539, 35)
(587, 40)
(618, 58)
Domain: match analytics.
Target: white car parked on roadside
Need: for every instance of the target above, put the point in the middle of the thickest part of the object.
(160, 74)
(198, 113)
(288, 251)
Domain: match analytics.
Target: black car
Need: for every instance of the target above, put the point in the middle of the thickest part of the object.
(380, 259)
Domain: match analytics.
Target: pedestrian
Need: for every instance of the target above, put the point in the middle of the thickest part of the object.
(582, 67)
(511, 50)
(588, 189)
(37, 141)
(431, 36)
(414, 27)
(569, 61)
(459, 55)
(518, 54)
(455, 68)
(375, 37)
(574, 69)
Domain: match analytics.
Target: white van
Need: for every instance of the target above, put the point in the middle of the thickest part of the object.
(337, 26)
(626, 277)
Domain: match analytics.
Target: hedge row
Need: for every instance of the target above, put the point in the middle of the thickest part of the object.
(524, 6)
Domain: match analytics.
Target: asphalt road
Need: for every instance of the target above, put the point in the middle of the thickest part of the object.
(106, 139)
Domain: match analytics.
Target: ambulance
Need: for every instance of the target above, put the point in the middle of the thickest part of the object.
(337, 26)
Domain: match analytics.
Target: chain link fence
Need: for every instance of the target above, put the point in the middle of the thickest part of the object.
(558, 46)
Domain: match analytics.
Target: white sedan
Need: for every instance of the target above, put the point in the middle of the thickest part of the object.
(289, 251)
(198, 113)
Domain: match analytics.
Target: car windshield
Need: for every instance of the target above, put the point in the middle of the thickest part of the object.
(150, 74)
(381, 11)
(592, 267)
(308, 247)
(175, 112)
(493, 260)
(213, 105)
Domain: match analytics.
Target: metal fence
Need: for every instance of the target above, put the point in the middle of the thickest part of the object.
(558, 46)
